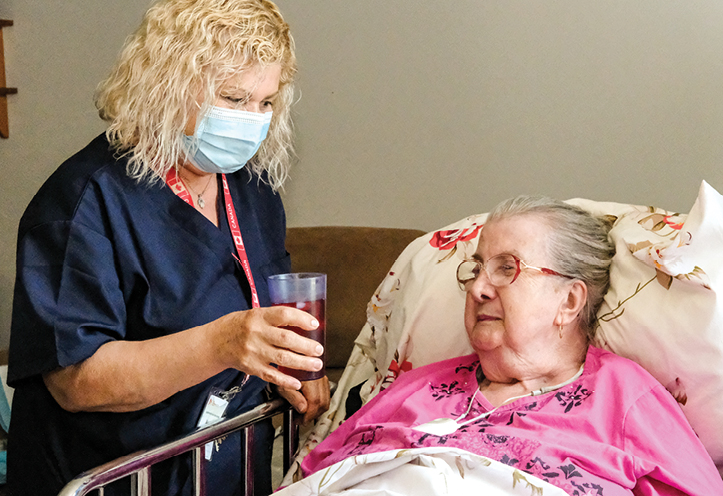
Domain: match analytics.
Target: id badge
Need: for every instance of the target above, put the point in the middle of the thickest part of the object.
(213, 412)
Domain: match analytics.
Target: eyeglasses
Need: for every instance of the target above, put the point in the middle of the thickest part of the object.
(501, 270)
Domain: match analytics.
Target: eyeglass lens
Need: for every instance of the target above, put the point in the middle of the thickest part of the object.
(501, 270)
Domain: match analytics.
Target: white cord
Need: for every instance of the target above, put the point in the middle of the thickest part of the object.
(471, 401)
(509, 400)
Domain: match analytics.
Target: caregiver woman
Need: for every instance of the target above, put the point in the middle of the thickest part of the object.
(536, 395)
(142, 261)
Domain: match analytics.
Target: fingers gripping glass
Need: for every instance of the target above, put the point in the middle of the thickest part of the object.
(501, 270)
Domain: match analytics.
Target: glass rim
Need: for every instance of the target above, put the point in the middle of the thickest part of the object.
(298, 275)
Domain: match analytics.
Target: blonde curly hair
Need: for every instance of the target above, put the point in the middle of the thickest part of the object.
(184, 48)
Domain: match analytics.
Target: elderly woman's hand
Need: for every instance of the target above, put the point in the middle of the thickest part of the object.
(312, 400)
(252, 340)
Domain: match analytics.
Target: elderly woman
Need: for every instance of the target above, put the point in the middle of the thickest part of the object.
(536, 395)
(142, 261)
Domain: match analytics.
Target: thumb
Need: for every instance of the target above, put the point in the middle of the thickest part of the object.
(296, 399)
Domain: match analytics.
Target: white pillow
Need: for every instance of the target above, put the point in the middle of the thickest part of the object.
(664, 309)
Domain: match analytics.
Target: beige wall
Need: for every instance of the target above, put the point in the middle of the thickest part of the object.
(419, 113)
(55, 54)
(416, 114)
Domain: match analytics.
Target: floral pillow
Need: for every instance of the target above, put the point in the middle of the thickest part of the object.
(664, 308)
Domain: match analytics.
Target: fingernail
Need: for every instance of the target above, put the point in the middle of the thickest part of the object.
(319, 349)
(319, 364)
(315, 323)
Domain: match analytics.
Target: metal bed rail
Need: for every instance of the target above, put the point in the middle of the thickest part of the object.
(137, 466)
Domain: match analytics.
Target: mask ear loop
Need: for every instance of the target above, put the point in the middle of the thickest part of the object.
(192, 139)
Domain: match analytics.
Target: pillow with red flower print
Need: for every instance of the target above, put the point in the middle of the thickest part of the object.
(664, 308)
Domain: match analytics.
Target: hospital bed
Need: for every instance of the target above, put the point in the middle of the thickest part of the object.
(136, 467)
(664, 309)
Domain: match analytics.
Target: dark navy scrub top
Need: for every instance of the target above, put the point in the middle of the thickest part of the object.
(100, 258)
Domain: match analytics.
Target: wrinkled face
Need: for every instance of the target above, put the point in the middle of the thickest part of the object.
(513, 326)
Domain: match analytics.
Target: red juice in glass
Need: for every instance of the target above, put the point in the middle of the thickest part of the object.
(317, 308)
(305, 291)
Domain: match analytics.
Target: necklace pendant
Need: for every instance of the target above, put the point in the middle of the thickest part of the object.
(201, 203)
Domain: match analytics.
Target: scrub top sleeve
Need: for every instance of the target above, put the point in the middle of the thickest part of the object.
(68, 300)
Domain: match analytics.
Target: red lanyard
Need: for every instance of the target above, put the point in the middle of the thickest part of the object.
(174, 182)
(177, 186)
(238, 241)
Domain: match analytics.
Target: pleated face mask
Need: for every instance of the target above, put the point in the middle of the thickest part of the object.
(227, 139)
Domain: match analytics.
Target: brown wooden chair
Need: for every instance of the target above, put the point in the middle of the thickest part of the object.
(355, 259)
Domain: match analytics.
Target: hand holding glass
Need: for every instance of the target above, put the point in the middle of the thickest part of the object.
(305, 291)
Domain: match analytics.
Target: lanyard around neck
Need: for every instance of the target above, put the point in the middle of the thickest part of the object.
(174, 182)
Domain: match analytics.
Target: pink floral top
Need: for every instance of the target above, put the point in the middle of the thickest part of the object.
(613, 431)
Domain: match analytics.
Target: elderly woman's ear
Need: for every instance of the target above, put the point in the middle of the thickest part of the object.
(572, 306)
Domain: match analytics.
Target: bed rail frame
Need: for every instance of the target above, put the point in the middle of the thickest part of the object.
(137, 466)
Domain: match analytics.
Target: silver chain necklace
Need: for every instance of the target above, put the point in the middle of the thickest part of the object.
(199, 196)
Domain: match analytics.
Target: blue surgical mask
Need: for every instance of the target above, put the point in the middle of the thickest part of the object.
(227, 139)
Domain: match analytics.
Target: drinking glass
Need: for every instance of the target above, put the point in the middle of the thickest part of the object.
(305, 291)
